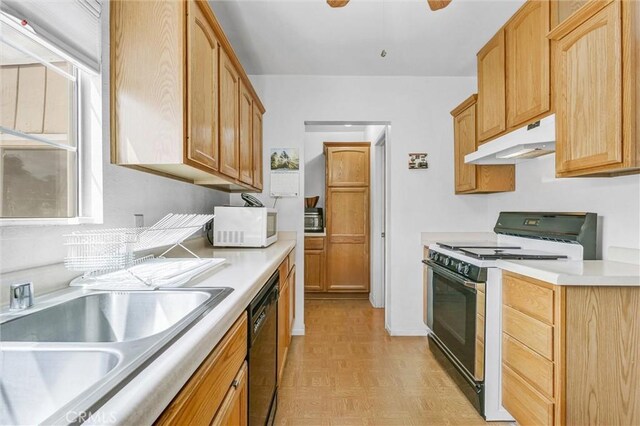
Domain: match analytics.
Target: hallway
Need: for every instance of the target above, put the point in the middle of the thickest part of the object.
(348, 371)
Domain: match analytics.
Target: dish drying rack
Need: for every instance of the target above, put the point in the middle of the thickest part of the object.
(108, 261)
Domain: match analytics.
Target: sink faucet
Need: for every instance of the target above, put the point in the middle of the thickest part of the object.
(21, 296)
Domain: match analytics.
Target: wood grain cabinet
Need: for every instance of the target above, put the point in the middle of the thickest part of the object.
(348, 165)
(197, 120)
(570, 354)
(597, 60)
(470, 178)
(216, 393)
(528, 64)
(314, 264)
(286, 309)
(491, 89)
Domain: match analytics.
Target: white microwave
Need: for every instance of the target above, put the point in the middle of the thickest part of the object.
(245, 226)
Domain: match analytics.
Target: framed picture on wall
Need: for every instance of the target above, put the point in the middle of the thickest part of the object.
(418, 160)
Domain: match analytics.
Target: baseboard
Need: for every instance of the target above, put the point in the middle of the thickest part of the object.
(407, 331)
(298, 331)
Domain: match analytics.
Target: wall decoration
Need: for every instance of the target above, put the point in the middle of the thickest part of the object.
(285, 172)
(418, 161)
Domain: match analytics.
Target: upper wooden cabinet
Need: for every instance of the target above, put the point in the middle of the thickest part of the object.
(528, 63)
(470, 178)
(491, 88)
(347, 164)
(181, 104)
(202, 68)
(246, 136)
(598, 91)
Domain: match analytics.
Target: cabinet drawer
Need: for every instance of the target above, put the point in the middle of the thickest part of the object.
(528, 297)
(292, 259)
(533, 333)
(535, 369)
(525, 404)
(314, 243)
(283, 269)
(233, 411)
(200, 398)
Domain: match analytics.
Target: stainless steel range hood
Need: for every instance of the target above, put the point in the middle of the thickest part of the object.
(529, 141)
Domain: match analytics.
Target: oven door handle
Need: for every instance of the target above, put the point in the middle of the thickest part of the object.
(472, 285)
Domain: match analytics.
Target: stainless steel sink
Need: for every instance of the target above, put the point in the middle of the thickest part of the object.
(35, 383)
(105, 317)
(61, 363)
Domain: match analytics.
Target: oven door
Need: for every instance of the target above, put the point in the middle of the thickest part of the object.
(452, 316)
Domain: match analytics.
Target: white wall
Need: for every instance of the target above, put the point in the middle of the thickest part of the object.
(421, 200)
(126, 192)
(615, 200)
(314, 163)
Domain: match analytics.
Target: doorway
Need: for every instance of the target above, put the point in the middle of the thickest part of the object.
(375, 135)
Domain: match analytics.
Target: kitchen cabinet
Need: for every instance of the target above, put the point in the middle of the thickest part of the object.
(471, 178)
(548, 378)
(597, 115)
(216, 393)
(286, 309)
(528, 64)
(189, 121)
(314, 264)
(347, 165)
(491, 89)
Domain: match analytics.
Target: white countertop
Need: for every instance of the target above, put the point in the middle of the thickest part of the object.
(576, 272)
(144, 398)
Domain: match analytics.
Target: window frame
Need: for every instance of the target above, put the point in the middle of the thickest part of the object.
(84, 129)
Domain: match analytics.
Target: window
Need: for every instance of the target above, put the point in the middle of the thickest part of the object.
(41, 142)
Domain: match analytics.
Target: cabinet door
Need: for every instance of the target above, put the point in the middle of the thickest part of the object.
(347, 166)
(283, 326)
(314, 267)
(528, 63)
(234, 409)
(202, 63)
(229, 114)
(491, 88)
(464, 136)
(292, 300)
(589, 101)
(348, 239)
(246, 133)
(256, 124)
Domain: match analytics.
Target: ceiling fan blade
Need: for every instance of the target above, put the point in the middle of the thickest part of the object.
(438, 4)
(337, 3)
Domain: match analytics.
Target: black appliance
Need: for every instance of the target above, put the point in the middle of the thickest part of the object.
(263, 350)
(313, 219)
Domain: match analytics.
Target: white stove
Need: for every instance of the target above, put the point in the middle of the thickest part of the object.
(461, 273)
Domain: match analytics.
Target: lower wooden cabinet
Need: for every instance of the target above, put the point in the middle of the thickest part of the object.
(570, 354)
(214, 391)
(314, 264)
(286, 309)
(234, 408)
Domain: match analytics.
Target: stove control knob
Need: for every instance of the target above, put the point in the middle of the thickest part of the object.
(466, 269)
(460, 267)
(447, 261)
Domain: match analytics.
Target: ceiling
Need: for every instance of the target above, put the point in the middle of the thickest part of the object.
(307, 37)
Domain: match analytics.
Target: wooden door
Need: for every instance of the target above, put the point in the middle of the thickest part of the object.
(528, 63)
(229, 117)
(246, 133)
(314, 268)
(347, 165)
(202, 63)
(491, 88)
(256, 125)
(589, 101)
(348, 239)
(283, 325)
(234, 409)
(464, 137)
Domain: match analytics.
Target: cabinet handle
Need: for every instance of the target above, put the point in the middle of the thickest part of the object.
(235, 383)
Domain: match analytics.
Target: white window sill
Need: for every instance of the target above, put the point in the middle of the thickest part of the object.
(50, 222)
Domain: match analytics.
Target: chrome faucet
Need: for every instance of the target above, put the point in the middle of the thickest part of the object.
(21, 296)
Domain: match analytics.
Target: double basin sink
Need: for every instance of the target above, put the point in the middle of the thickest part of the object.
(59, 364)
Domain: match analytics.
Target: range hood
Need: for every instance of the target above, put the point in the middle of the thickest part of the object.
(529, 141)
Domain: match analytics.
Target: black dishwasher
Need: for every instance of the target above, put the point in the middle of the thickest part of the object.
(263, 350)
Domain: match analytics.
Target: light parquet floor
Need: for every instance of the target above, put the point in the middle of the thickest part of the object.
(348, 371)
